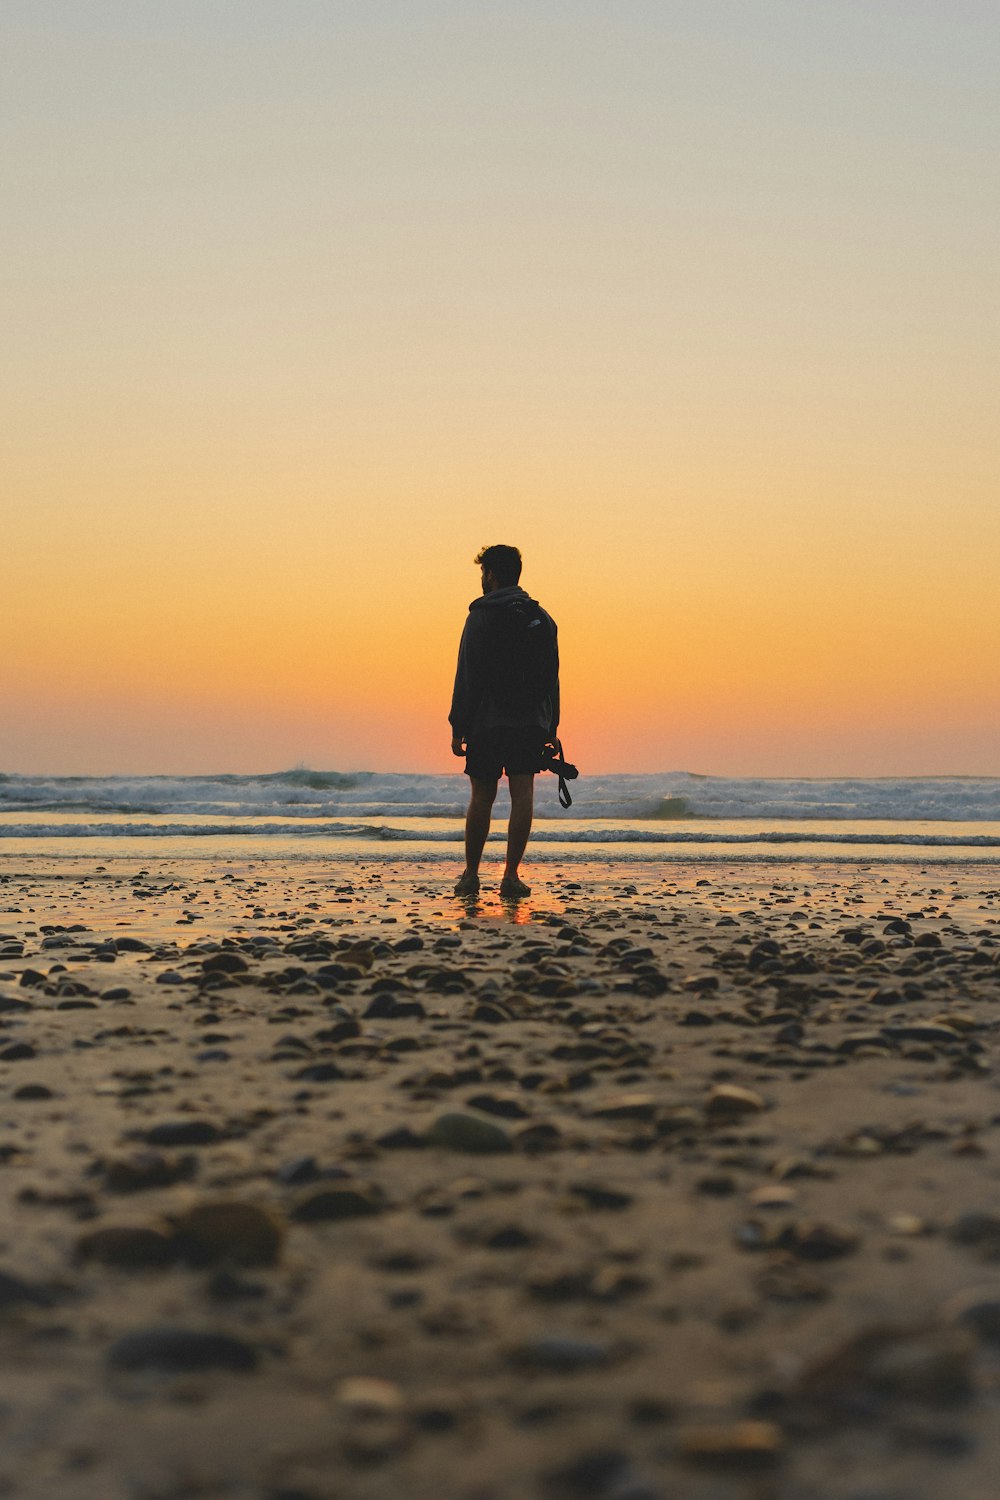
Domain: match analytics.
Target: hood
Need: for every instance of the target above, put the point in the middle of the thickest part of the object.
(500, 597)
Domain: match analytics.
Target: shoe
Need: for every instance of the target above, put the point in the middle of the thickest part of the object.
(512, 888)
(467, 885)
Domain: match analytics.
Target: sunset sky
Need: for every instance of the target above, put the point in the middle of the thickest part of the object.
(696, 301)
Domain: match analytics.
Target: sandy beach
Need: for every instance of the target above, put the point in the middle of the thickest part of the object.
(319, 1183)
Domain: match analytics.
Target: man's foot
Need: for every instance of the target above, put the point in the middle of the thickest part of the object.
(467, 885)
(513, 888)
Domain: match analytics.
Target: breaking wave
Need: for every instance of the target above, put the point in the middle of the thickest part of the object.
(303, 794)
(567, 834)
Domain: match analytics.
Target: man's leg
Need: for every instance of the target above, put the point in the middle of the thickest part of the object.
(522, 804)
(477, 827)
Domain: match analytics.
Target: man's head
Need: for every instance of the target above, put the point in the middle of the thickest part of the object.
(501, 567)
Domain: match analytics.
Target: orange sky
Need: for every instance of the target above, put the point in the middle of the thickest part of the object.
(695, 303)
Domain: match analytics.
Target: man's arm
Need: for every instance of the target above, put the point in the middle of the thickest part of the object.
(467, 691)
(554, 721)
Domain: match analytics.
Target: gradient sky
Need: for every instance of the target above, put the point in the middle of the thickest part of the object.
(694, 300)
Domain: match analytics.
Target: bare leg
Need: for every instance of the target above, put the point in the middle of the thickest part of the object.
(522, 804)
(477, 822)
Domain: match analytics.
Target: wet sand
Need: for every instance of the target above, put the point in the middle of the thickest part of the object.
(677, 1181)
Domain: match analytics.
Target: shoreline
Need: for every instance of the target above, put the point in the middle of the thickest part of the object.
(681, 1176)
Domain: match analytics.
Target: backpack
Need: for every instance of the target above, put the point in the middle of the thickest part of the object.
(521, 662)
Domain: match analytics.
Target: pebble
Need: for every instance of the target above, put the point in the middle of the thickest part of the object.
(143, 1170)
(373, 1419)
(461, 1132)
(740, 1446)
(817, 1241)
(922, 1032)
(506, 1105)
(562, 1353)
(131, 1247)
(181, 1350)
(242, 1234)
(978, 1309)
(626, 1107)
(16, 1292)
(728, 1099)
(978, 1231)
(183, 1133)
(598, 1195)
(226, 962)
(932, 1366)
(339, 1200)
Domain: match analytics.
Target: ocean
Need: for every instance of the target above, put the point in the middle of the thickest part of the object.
(371, 815)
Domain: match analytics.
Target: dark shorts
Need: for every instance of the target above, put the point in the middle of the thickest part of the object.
(518, 752)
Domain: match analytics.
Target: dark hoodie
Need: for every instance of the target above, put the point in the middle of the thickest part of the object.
(473, 710)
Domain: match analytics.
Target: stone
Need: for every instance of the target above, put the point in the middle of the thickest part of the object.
(728, 1100)
(372, 1417)
(16, 1292)
(130, 1247)
(491, 1013)
(365, 1393)
(456, 1131)
(321, 1072)
(737, 1445)
(143, 1170)
(191, 1132)
(701, 984)
(816, 1241)
(242, 1234)
(934, 1367)
(401, 1139)
(907, 1225)
(562, 1353)
(181, 1351)
(922, 1032)
(773, 1195)
(300, 1170)
(929, 1365)
(226, 962)
(17, 1052)
(539, 1135)
(785, 1281)
(977, 1309)
(349, 1199)
(626, 1107)
(977, 1231)
(716, 1185)
(503, 1103)
(599, 1472)
(598, 1195)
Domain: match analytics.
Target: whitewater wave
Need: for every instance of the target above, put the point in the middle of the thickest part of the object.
(386, 833)
(305, 795)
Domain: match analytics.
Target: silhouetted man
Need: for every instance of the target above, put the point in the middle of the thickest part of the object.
(504, 709)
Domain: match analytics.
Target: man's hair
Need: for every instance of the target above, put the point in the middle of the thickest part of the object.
(503, 562)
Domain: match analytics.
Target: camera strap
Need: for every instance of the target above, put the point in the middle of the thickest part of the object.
(565, 772)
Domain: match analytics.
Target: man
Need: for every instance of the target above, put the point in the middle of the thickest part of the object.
(504, 709)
